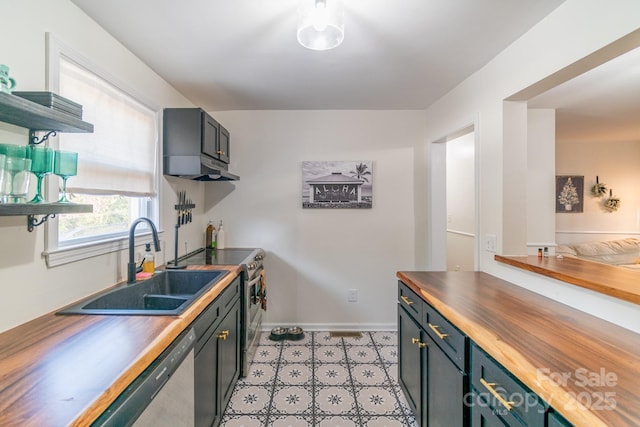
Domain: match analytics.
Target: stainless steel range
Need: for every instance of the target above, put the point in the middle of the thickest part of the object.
(253, 292)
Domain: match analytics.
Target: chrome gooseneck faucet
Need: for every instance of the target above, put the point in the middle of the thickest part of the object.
(131, 267)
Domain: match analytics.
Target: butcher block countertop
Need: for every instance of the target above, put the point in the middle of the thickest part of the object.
(584, 367)
(618, 282)
(60, 370)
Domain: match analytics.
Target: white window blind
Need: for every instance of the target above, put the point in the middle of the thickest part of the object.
(119, 157)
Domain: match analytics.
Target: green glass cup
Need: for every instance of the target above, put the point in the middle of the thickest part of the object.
(65, 165)
(12, 150)
(42, 159)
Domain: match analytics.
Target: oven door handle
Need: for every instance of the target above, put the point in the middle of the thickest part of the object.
(255, 280)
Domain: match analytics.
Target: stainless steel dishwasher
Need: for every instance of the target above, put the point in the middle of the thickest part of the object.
(163, 395)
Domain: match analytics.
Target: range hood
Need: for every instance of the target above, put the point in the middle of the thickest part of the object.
(197, 168)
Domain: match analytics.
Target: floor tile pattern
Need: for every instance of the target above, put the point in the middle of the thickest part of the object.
(322, 381)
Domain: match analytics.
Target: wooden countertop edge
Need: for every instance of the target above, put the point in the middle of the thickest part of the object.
(612, 289)
(514, 361)
(157, 346)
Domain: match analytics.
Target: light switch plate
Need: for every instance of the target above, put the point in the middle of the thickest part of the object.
(490, 243)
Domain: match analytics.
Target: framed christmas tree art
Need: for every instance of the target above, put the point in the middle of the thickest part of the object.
(569, 193)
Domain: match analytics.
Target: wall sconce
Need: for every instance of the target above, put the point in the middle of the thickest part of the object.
(320, 24)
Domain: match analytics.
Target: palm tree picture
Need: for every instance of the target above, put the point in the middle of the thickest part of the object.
(361, 172)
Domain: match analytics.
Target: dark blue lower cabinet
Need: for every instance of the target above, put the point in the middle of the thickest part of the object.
(449, 381)
(446, 387)
(412, 366)
(432, 383)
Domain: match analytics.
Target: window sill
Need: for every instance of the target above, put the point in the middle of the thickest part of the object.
(81, 252)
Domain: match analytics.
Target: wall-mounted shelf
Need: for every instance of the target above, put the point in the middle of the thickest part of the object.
(35, 117)
(24, 113)
(31, 210)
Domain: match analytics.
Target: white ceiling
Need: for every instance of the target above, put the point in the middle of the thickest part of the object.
(243, 54)
(601, 105)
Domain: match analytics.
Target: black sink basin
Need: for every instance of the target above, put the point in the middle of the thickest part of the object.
(167, 293)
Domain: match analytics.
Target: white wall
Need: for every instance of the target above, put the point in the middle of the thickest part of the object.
(544, 50)
(541, 154)
(616, 165)
(29, 288)
(315, 255)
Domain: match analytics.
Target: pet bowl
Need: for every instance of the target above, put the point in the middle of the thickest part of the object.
(295, 333)
(278, 334)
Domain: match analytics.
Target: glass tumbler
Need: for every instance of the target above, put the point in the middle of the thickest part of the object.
(2, 162)
(41, 166)
(16, 185)
(65, 165)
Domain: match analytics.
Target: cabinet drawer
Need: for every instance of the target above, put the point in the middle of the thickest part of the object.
(446, 336)
(231, 294)
(209, 317)
(502, 394)
(410, 301)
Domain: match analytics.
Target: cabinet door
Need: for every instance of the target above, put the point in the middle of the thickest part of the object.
(210, 133)
(483, 416)
(206, 390)
(411, 363)
(224, 143)
(446, 388)
(228, 354)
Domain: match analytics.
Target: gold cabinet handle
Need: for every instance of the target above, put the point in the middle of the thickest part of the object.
(406, 300)
(220, 152)
(489, 386)
(417, 341)
(223, 335)
(440, 335)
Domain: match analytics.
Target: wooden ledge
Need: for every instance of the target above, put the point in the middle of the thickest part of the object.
(618, 282)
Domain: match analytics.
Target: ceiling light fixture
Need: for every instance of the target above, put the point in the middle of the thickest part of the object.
(320, 24)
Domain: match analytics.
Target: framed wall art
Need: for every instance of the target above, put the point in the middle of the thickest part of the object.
(337, 184)
(569, 193)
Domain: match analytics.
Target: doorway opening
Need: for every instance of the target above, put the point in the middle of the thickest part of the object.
(453, 194)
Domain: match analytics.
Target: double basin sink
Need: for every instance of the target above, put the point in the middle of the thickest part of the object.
(167, 293)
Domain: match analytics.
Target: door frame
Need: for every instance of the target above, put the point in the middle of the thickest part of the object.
(437, 197)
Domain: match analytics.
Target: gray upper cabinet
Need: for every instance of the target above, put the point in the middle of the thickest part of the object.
(195, 145)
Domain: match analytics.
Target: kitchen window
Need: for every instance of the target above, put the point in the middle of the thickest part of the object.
(117, 163)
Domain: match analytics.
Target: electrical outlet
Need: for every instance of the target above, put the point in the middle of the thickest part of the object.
(491, 243)
(352, 295)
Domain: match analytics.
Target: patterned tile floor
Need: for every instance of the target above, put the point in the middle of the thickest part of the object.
(322, 381)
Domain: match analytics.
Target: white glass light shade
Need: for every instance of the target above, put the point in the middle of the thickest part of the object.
(320, 24)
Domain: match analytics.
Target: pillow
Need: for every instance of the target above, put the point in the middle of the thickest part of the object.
(565, 250)
(624, 251)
